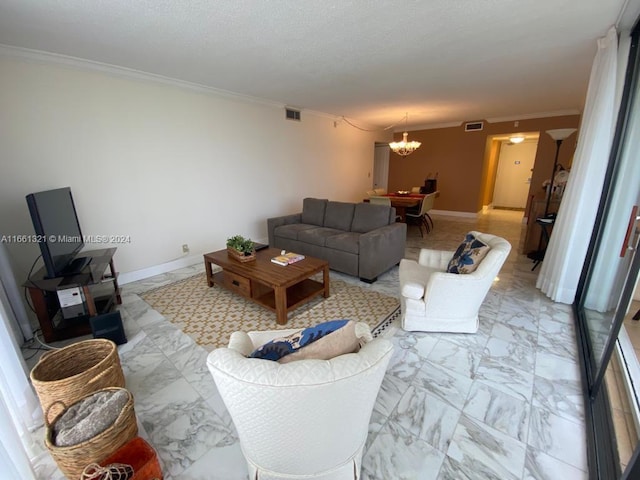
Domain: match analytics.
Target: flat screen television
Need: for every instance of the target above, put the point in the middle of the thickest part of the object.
(57, 228)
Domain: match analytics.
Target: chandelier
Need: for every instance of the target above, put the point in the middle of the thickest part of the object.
(404, 147)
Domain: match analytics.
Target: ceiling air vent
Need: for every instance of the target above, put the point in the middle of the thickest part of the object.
(292, 114)
(472, 127)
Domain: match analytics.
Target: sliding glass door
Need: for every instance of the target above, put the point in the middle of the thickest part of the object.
(604, 300)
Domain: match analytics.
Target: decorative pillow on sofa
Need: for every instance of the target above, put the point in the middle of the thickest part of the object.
(323, 341)
(468, 255)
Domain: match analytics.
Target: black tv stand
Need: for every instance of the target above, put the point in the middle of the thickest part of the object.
(75, 266)
(98, 280)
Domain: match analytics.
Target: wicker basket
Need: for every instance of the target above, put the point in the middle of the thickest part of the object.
(72, 372)
(240, 256)
(73, 460)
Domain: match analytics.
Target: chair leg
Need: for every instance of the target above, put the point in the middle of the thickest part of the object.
(419, 225)
(417, 221)
(430, 219)
(426, 224)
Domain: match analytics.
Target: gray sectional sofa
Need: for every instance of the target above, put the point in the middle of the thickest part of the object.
(358, 239)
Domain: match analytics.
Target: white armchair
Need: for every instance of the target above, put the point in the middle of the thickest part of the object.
(303, 419)
(433, 300)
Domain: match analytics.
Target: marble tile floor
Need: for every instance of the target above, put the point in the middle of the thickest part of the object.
(504, 403)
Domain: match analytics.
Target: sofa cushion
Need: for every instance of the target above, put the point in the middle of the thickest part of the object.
(317, 235)
(313, 210)
(367, 217)
(346, 242)
(323, 341)
(339, 215)
(468, 255)
(292, 230)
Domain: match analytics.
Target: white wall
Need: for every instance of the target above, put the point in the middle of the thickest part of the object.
(164, 164)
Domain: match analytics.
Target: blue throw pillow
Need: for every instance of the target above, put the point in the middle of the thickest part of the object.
(282, 346)
(468, 255)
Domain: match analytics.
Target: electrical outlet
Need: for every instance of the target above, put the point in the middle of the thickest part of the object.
(185, 248)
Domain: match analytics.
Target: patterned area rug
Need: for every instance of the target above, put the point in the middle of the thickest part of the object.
(210, 315)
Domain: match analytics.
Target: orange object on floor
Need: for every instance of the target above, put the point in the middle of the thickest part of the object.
(141, 456)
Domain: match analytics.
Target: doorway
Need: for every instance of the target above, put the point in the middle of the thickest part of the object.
(513, 178)
(508, 188)
(380, 166)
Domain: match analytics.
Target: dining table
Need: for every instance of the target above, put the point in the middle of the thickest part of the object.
(402, 202)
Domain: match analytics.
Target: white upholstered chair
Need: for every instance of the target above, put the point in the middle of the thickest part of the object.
(380, 200)
(302, 419)
(433, 300)
(422, 217)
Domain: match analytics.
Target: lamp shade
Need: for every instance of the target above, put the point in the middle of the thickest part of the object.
(561, 133)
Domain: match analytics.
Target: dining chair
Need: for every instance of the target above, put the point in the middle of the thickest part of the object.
(380, 200)
(422, 217)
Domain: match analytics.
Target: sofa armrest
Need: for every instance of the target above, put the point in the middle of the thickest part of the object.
(438, 259)
(381, 249)
(274, 222)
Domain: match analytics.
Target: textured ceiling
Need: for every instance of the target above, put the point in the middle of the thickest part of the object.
(439, 60)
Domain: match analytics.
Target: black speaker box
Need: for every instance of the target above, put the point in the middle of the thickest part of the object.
(109, 326)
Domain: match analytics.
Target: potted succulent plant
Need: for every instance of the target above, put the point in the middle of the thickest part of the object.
(241, 248)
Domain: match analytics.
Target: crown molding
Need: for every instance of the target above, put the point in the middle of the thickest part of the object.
(38, 56)
(428, 126)
(511, 118)
(529, 116)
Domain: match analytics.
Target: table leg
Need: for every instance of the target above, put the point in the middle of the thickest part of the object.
(40, 306)
(281, 305)
(88, 298)
(325, 280)
(207, 267)
(401, 212)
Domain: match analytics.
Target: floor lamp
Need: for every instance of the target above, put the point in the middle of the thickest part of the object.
(558, 135)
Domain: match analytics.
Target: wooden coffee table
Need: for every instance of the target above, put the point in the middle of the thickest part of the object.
(280, 289)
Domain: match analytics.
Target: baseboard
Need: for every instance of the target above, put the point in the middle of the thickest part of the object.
(128, 277)
(136, 275)
(451, 213)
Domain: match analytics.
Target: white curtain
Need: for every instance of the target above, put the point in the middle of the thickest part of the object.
(8, 287)
(19, 407)
(571, 234)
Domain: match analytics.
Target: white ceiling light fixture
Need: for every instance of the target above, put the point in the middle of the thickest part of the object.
(516, 139)
(404, 147)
